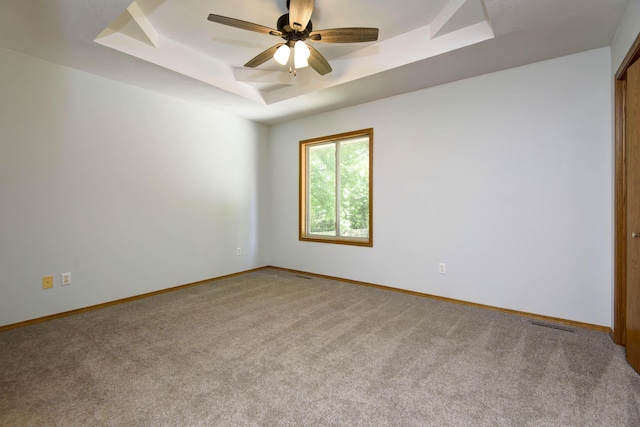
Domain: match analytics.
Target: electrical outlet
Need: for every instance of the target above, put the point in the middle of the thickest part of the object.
(442, 268)
(239, 251)
(66, 279)
(47, 282)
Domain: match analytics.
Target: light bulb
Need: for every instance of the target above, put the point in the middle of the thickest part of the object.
(301, 54)
(282, 54)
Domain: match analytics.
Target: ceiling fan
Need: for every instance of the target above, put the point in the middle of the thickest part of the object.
(295, 27)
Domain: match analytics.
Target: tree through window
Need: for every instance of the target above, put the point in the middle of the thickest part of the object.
(335, 188)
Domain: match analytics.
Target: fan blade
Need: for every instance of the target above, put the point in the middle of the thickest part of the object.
(317, 62)
(263, 57)
(232, 22)
(345, 35)
(299, 14)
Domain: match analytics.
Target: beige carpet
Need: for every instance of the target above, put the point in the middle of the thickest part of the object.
(273, 349)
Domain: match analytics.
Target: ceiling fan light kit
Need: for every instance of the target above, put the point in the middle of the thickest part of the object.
(295, 27)
(301, 53)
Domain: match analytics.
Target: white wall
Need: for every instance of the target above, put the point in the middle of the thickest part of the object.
(128, 190)
(505, 177)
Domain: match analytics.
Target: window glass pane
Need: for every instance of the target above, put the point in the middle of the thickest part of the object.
(354, 188)
(322, 189)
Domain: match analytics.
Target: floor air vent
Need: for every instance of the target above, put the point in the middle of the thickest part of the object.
(549, 325)
(304, 277)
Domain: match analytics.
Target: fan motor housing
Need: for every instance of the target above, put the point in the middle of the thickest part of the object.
(289, 34)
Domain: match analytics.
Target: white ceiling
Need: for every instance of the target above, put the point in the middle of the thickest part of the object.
(170, 47)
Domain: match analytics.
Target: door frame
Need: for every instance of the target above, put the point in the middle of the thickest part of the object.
(619, 333)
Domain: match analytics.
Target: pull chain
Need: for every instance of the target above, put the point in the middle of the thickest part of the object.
(292, 66)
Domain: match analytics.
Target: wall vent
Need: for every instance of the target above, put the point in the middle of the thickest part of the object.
(549, 325)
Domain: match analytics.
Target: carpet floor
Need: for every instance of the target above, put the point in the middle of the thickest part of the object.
(270, 348)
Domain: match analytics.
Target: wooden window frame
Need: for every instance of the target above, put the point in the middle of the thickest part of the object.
(302, 206)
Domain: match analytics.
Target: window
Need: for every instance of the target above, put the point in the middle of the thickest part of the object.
(335, 188)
